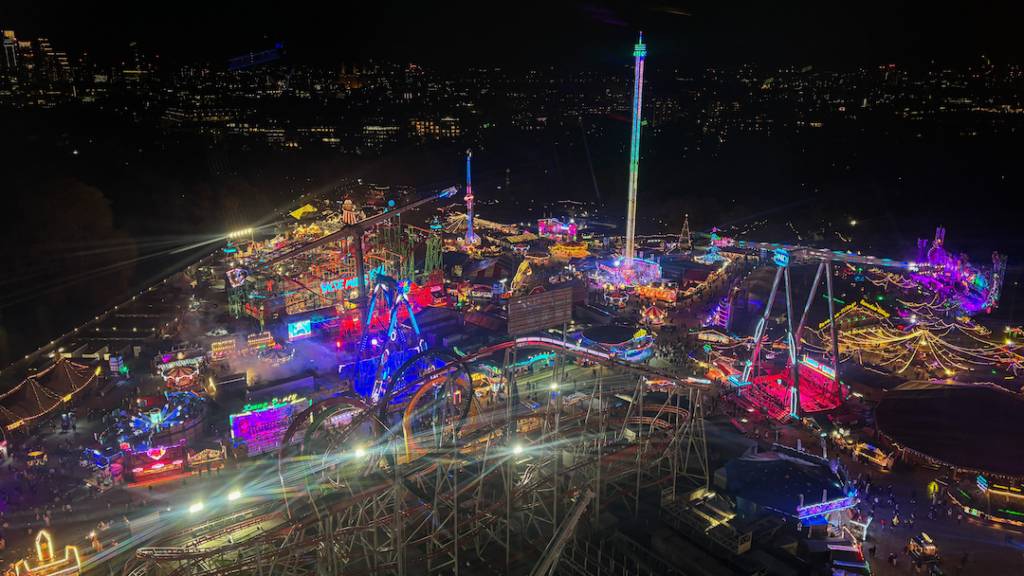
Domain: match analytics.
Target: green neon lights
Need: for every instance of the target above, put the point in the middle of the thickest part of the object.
(275, 403)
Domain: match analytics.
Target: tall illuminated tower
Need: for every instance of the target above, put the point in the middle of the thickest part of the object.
(471, 237)
(639, 53)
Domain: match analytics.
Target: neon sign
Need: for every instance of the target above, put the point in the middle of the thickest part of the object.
(346, 283)
(804, 512)
(183, 362)
(275, 403)
(818, 366)
(874, 308)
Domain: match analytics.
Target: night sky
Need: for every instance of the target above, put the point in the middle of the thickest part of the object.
(536, 33)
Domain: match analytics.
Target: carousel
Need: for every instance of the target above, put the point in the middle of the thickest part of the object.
(571, 249)
(617, 299)
(654, 315)
(277, 355)
(181, 377)
(538, 257)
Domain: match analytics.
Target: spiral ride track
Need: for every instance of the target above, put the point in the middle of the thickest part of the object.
(443, 481)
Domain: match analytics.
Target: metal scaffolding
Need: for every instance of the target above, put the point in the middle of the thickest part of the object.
(446, 483)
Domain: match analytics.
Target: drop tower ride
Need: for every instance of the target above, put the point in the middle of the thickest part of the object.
(471, 236)
(639, 54)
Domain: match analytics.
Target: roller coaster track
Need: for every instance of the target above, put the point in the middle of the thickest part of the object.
(411, 498)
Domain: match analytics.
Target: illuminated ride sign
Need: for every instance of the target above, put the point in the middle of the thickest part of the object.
(875, 308)
(348, 283)
(823, 508)
(182, 362)
(818, 366)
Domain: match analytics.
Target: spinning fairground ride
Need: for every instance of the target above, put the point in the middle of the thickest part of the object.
(389, 339)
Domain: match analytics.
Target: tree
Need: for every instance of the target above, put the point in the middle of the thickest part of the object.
(66, 253)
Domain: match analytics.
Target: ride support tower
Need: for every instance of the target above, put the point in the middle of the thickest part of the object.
(471, 237)
(639, 53)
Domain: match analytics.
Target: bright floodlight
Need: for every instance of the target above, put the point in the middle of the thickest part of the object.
(554, 385)
(360, 453)
(234, 495)
(517, 449)
(195, 507)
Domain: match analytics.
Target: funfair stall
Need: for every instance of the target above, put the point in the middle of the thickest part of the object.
(155, 464)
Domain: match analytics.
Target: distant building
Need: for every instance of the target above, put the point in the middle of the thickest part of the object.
(663, 111)
(443, 129)
(378, 136)
(10, 56)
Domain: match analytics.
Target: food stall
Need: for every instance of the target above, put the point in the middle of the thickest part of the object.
(106, 467)
(36, 458)
(221, 349)
(922, 548)
(207, 458)
(868, 453)
(260, 341)
(664, 292)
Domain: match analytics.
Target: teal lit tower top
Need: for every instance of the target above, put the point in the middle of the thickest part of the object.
(640, 50)
(639, 53)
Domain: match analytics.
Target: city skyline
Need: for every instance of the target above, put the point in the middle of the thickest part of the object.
(453, 35)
